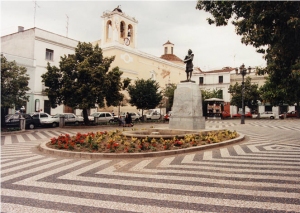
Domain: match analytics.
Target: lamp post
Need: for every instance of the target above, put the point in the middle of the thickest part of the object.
(243, 72)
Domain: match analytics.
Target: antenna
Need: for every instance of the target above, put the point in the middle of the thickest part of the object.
(35, 5)
(67, 24)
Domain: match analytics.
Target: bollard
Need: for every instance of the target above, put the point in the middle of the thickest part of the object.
(62, 121)
(96, 120)
(22, 123)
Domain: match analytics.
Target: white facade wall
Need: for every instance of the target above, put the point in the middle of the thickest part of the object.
(28, 49)
(211, 82)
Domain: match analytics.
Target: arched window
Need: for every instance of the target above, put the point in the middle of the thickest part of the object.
(122, 29)
(108, 29)
(130, 32)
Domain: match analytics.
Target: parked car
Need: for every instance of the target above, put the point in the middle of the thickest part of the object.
(69, 118)
(134, 116)
(238, 115)
(43, 118)
(167, 116)
(103, 117)
(153, 115)
(13, 120)
(290, 114)
(270, 115)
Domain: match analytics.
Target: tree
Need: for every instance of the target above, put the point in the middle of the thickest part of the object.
(168, 92)
(144, 94)
(14, 85)
(279, 94)
(83, 79)
(273, 27)
(251, 94)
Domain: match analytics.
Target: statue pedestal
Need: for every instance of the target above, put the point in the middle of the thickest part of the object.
(187, 108)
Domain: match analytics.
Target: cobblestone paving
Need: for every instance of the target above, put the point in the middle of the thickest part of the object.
(260, 174)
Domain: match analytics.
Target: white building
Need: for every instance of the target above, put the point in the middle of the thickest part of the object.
(33, 49)
(214, 80)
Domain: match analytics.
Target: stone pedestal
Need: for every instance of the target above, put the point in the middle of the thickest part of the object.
(187, 108)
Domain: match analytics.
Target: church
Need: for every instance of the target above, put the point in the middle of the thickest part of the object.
(34, 48)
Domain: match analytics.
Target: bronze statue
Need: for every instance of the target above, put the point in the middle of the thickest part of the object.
(189, 64)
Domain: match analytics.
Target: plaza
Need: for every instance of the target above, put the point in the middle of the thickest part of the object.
(259, 174)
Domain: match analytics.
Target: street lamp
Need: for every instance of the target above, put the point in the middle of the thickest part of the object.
(243, 72)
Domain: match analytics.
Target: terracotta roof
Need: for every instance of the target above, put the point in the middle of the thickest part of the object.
(168, 42)
(224, 69)
(170, 57)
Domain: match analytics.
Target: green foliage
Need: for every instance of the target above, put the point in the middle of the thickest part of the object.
(207, 94)
(83, 79)
(273, 27)
(168, 92)
(14, 84)
(284, 93)
(252, 95)
(144, 94)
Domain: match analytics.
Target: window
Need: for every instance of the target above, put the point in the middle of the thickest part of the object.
(166, 50)
(220, 79)
(200, 80)
(172, 50)
(43, 115)
(49, 54)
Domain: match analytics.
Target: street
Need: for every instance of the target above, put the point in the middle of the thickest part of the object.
(259, 174)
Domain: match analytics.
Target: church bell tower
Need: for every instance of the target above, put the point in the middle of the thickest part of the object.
(118, 28)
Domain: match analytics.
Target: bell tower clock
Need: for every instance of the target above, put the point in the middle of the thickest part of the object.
(118, 28)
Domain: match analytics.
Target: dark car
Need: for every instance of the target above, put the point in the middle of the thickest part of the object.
(290, 114)
(13, 120)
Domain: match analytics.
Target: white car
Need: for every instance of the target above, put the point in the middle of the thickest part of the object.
(70, 118)
(134, 116)
(270, 115)
(45, 119)
(153, 115)
(103, 117)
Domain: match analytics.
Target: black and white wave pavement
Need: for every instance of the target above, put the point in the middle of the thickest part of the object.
(261, 174)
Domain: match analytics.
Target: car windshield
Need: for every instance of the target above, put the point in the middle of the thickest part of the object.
(94, 114)
(8, 116)
(56, 116)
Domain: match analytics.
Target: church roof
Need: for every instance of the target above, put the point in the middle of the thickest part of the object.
(118, 9)
(171, 57)
(224, 69)
(168, 42)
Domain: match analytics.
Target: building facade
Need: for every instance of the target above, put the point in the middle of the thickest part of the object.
(34, 48)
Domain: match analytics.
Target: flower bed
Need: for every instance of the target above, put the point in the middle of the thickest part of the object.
(115, 142)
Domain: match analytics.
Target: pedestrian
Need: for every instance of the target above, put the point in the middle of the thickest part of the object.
(129, 119)
(126, 119)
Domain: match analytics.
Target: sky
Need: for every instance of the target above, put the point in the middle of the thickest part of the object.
(158, 21)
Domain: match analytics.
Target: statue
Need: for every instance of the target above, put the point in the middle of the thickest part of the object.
(188, 60)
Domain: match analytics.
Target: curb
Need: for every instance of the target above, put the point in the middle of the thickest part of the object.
(62, 153)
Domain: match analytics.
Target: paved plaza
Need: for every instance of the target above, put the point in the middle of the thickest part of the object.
(260, 174)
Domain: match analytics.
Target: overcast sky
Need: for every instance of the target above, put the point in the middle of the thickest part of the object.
(158, 21)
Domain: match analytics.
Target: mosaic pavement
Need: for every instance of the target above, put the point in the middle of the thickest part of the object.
(260, 174)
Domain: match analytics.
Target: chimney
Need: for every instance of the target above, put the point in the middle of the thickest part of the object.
(20, 29)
